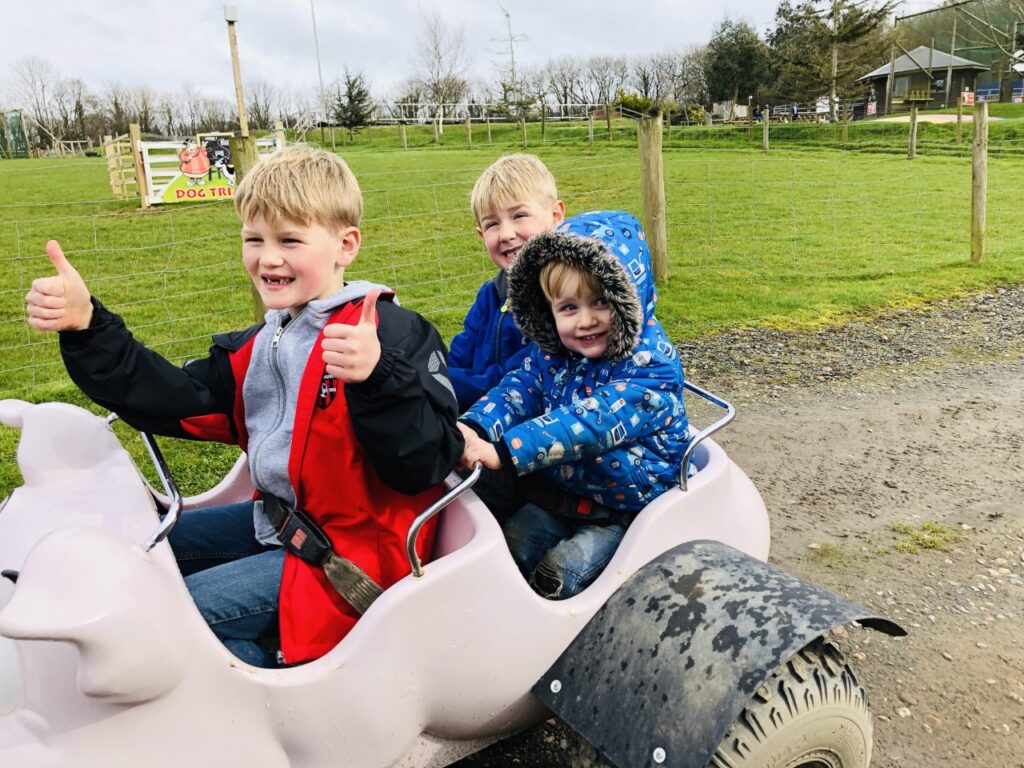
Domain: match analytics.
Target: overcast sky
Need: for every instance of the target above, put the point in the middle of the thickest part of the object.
(168, 44)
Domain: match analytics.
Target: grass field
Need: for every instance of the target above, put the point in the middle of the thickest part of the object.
(791, 238)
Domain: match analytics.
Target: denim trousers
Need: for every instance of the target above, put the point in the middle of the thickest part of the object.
(559, 556)
(233, 579)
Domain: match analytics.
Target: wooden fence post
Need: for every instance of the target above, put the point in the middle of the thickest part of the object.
(437, 130)
(244, 157)
(590, 128)
(488, 127)
(469, 133)
(522, 130)
(141, 182)
(912, 139)
(847, 114)
(543, 121)
(608, 119)
(764, 127)
(652, 192)
(401, 134)
(280, 134)
(113, 166)
(979, 181)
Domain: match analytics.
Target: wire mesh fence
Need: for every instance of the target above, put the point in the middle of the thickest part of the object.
(807, 231)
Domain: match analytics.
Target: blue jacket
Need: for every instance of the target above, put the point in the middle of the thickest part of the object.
(489, 345)
(612, 429)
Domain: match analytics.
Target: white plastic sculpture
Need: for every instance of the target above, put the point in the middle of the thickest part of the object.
(118, 669)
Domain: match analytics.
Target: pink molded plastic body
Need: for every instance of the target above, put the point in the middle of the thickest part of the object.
(438, 667)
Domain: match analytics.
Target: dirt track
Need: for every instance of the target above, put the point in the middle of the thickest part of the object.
(856, 438)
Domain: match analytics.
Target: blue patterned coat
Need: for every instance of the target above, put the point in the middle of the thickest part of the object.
(612, 429)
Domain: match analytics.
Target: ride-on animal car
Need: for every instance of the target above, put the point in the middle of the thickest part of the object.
(687, 650)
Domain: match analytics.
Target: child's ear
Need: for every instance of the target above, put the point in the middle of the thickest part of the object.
(480, 232)
(349, 239)
(558, 212)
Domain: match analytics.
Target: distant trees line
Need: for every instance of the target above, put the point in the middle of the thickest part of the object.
(814, 48)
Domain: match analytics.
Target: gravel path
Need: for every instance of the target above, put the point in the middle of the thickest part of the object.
(861, 438)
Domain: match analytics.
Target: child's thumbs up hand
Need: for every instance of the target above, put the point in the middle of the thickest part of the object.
(60, 302)
(351, 352)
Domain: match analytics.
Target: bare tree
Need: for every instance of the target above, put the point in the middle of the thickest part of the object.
(71, 100)
(191, 110)
(140, 106)
(114, 100)
(410, 95)
(565, 80)
(168, 112)
(667, 70)
(35, 80)
(262, 98)
(606, 75)
(644, 77)
(443, 61)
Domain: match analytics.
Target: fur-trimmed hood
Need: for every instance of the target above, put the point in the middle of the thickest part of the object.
(610, 245)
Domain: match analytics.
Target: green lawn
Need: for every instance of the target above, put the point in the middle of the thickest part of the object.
(791, 238)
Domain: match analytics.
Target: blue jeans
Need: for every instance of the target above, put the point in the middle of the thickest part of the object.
(233, 579)
(559, 556)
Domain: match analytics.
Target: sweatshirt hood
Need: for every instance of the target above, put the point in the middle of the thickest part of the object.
(611, 246)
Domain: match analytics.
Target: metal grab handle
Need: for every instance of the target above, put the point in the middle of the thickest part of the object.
(707, 431)
(433, 509)
(170, 488)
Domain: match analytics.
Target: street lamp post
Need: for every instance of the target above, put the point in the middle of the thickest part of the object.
(320, 74)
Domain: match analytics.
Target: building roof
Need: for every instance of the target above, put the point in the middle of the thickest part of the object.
(919, 59)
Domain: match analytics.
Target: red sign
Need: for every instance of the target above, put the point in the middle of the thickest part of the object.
(967, 98)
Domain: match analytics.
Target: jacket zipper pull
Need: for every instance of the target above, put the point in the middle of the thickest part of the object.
(504, 307)
(276, 341)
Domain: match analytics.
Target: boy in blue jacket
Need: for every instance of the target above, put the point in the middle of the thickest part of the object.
(595, 409)
(514, 199)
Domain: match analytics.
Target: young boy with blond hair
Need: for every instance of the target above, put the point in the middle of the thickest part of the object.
(514, 199)
(339, 397)
(595, 410)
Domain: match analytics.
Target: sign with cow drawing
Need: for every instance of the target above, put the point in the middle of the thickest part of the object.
(194, 169)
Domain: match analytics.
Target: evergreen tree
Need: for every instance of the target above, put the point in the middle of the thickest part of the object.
(353, 105)
(823, 46)
(737, 62)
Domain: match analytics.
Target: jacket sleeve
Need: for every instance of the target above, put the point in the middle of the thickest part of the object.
(404, 413)
(469, 380)
(623, 410)
(118, 372)
(517, 397)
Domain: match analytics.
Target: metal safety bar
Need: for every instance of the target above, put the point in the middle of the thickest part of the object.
(170, 487)
(433, 509)
(707, 431)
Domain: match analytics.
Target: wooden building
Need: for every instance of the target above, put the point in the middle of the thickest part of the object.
(925, 77)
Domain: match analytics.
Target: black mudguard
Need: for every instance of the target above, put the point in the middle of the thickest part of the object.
(669, 662)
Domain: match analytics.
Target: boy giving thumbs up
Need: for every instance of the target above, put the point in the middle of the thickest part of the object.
(340, 398)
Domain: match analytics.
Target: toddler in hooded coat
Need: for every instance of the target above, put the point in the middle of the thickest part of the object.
(596, 408)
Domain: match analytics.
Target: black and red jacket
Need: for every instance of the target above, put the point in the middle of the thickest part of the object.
(365, 458)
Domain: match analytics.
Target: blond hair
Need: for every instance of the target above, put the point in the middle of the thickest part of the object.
(301, 184)
(512, 178)
(555, 274)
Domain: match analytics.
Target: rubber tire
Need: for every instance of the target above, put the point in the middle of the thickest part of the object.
(810, 713)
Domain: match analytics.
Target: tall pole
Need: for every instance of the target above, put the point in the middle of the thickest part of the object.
(517, 93)
(231, 16)
(833, 114)
(949, 66)
(320, 74)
